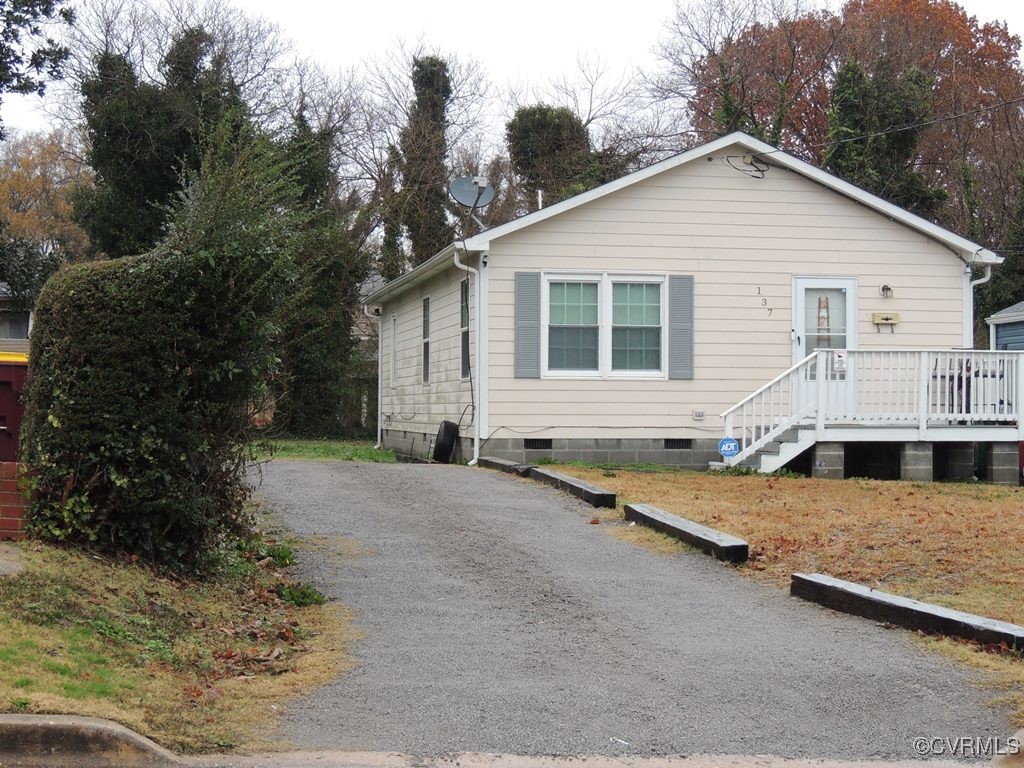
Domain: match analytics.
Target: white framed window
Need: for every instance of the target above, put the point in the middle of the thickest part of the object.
(426, 340)
(603, 325)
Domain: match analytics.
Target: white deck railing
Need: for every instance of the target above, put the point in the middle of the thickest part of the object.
(882, 388)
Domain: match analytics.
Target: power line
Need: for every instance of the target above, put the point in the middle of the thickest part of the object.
(897, 129)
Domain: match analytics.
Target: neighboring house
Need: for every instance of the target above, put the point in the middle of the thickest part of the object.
(1006, 328)
(15, 325)
(651, 317)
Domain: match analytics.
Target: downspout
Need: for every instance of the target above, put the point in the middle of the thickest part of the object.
(479, 357)
(986, 276)
(380, 375)
(968, 296)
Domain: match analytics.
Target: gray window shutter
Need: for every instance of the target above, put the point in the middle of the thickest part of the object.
(680, 326)
(527, 325)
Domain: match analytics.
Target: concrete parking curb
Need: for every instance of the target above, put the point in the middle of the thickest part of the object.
(709, 541)
(55, 741)
(504, 465)
(859, 600)
(594, 495)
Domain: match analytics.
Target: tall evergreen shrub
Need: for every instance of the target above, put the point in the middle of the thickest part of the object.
(144, 370)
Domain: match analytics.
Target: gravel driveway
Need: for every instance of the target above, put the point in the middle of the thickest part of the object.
(497, 620)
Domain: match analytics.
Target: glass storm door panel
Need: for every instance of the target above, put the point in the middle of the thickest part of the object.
(825, 314)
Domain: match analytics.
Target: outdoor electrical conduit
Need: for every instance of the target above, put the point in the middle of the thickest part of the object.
(479, 351)
(380, 376)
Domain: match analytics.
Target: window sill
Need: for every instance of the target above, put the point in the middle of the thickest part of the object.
(619, 376)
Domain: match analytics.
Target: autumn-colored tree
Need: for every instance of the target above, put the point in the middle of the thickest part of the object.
(761, 67)
(37, 236)
(768, 67)
(38, 171)
(977, 153)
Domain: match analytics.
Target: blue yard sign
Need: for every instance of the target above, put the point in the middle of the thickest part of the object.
(728, 447)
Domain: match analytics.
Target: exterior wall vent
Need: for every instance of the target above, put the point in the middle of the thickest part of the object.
(678, 444)
(536, 444)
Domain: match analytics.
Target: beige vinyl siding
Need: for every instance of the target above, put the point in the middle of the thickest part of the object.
(735, 234)
(410, 404)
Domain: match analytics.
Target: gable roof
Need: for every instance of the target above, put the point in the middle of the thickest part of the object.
(1010, 314)
(969, 252)
(964, 248)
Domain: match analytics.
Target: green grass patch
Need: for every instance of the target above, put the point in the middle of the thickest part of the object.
(194, 664)
(301, 594)
(328, 450)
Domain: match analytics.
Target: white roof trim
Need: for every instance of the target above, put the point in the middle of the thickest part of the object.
(968, 251)
(999, 319)
(434, 264)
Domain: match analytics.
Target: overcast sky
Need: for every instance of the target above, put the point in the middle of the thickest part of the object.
(525, 42)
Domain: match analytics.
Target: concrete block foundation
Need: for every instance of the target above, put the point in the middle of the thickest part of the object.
(916, 462)
(829, 461)
(1003, 463)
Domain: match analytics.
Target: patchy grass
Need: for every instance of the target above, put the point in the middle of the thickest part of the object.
(328, 450)
(197, 666)
(951, 544)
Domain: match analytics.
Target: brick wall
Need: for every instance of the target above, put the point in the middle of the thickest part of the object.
(12, 502)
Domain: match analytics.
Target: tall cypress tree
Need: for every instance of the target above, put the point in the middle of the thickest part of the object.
(423, 146)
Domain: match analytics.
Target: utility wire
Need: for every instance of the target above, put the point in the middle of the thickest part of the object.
(897, 129)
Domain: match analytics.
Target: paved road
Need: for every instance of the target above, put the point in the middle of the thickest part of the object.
(497, 620)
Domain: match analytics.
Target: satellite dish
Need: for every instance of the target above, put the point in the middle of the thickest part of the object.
(471, 191)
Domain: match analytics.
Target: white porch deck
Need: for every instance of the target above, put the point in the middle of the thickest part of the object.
(880, 396)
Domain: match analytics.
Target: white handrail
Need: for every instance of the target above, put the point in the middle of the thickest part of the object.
(769, 385)
(923, 388)
(771, 410)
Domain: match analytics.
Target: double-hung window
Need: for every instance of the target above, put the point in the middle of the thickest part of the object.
(464, 325)
(426, 340)
(573, 325)
(604, 326)
(636, 326)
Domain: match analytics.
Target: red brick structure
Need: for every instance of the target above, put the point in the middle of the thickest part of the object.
(12, 502)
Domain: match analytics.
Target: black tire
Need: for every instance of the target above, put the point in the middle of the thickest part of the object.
(444, 445)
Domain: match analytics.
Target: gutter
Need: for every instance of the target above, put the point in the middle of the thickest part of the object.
(380, 368)
(409, 279)
(479, 349)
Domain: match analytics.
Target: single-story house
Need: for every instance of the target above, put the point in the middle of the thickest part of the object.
(1006, 328)
(730, 297)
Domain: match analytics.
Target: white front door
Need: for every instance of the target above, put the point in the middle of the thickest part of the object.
(825, 317)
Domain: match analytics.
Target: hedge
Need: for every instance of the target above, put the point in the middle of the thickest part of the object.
(143, 372)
